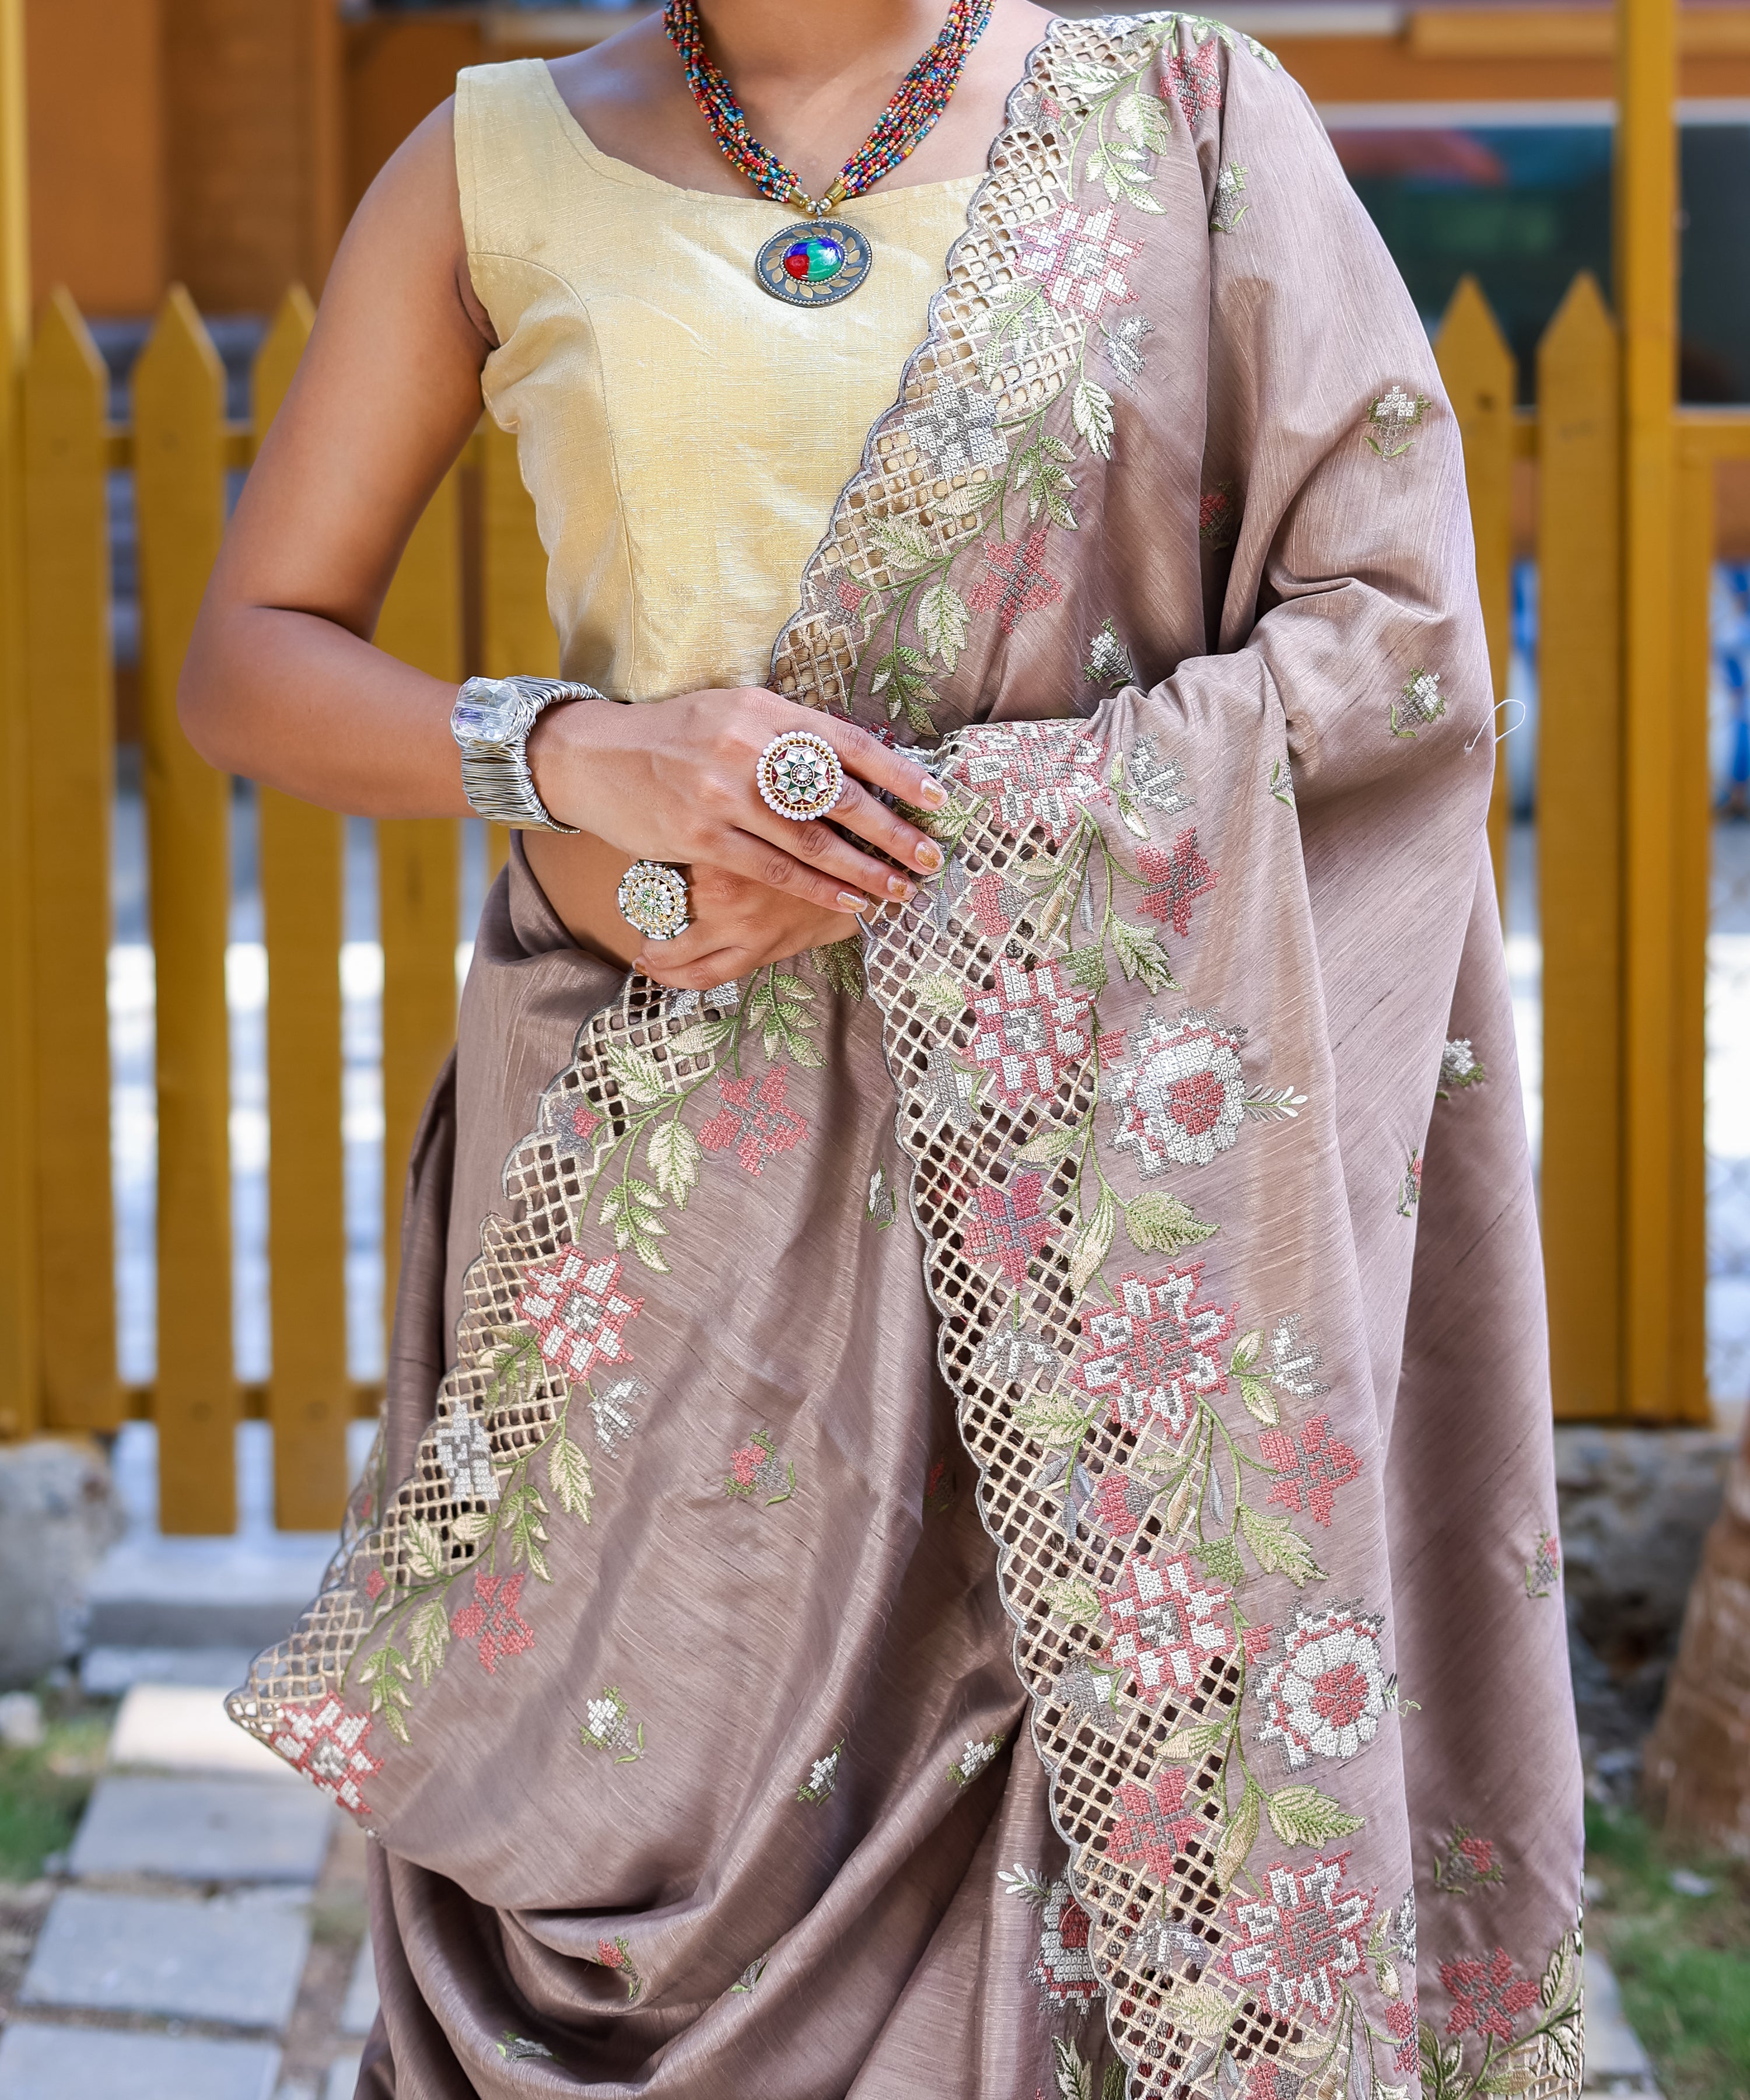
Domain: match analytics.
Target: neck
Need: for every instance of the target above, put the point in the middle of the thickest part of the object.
(781, 46)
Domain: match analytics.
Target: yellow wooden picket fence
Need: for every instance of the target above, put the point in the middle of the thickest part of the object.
(178, 448)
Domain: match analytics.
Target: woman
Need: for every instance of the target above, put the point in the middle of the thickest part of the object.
(970, 1510)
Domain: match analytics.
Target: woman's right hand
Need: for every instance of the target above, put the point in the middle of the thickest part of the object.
(674, 780)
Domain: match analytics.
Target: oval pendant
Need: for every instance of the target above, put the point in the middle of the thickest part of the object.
(816, 262)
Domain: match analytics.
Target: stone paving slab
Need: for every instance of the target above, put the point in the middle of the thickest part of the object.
(107, 1673)
(185, 1728)
(42, 2062)
(342, 2081)
(236, 1959)
(360, 2008)
(1616, 2061)
(203, 1830)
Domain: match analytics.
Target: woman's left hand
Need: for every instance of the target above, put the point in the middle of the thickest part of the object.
(737, 926)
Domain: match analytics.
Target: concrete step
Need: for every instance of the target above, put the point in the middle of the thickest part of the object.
(237, 1830)
(185, 1728)
(204, 1593)
(42, 2062)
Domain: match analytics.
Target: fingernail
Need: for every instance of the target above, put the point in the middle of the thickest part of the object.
(849, 901)
(929, 855)
(897, 886)
(933, 795)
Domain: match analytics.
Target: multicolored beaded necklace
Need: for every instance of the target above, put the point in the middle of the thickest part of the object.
(823, 260)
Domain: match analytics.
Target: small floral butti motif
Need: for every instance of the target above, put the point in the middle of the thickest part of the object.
(1065, 1970)
(1033, 1027)
(1156, 781)
(753, 1123)
(1217, 522)
(1460, 1068)
(1392, 418)
(611, 1410)
(1227, 209)
(492, 1619)
(941, 1485)
(1194, 81)
(1420, 703)
(880, 1207)
(607, 1725)
(1409, 1188)
(518, 2049)
(974, 1758)
(1152, 1355)
(326, 1741)
(1109, 661)
(569, 1120)
(1543, 1571)
(823, 1777)
(758, 1473)
(1325, 1695)
(1296, 1943)
(1122, 342)
(578, 1311)
(1167, 1623)
(1487, 1996)
(616, 1955)
(1465, 1864)
(1179, 1096)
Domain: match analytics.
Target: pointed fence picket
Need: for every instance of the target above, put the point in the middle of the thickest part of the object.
(474, 568)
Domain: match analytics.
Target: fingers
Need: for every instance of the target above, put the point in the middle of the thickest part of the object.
(811, 864)
(871, 818)
(719, 966)
(870, 759)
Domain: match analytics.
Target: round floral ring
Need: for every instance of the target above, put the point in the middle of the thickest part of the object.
(652, 897)
(799, 776)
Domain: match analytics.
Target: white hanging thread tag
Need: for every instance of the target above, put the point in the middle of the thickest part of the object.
(1524, 712)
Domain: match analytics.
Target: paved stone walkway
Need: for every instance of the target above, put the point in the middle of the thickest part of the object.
(209, 1943)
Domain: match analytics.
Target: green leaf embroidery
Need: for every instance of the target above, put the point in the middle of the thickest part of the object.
(1090, 411)
(522, 1511)
(1088, 966)
(638, 1074)
(1239, 1836)
(426, 1558)
(1050, 1145)
(1112, 2086)
(1302, 1815)
(942, 620)
(1141, 955)
(1052, 1419)
(470, 1526)
(1075, 2081)
(941, 993)
(386, 1675)
(1221, 1562)
(701, 1038)
(841, 964)
(1185, 1746)
(903, 541)
(1278, 1548)
(1075, 1600)
(1094, 1242)
(428, 1635)
(1146, 119)
(1163, 1224)
(1205, 2012)
(569, 1475)
(676, 1156)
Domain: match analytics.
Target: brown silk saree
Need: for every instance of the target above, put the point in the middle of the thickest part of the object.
(975, 1515)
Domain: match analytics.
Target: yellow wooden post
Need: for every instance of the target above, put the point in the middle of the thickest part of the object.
(418, 866)
(517, 636)
(302, 859)
(1478, 369)
(1580, 846)
(69, 681)
(1692, 823)
(178, 451)
(1645, 212)
(19, 1363)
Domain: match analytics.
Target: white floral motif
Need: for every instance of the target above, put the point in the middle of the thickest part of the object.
(1123, 347)
(1065, 1970)
(1165, 1623)
(1155, 1351)
(1421, 703)
(1325, 1696)
(1037, 773)
(1033, 1026)
(823, 1777)
(577, 1311)
(611, 1410)
(1226, 211)
(1181, 1094)
(466, 1458)
(955, 430)
(1301, 1940)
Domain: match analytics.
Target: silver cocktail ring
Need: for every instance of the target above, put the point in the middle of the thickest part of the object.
(799, 776)
(653, 898)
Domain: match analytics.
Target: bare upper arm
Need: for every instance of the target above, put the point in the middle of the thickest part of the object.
(387, 395)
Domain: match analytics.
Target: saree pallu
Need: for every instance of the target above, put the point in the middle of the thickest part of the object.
(973, 1513)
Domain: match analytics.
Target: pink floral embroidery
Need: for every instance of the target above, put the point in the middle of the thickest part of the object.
(1009, 1225)
(753, 1121)
(940, 1487)
(1466, 1863)
(1400, 2024)
(1296, 1944)
(1121, 1502)
(1078, 260)
(1543, 1571)
(577, 1311)
(616, 1954)
(1065, 1970)
(493, 1620)
(1153, 1827)
(1033, 1028)
(1015, 581)
(1037, 773)
(995, 903)
(1155, 1352)
(1180, 1095)
(1167, 1623)
(1175, 879)
(758, 1470)
(1324, 1698)
(1216, 521)
(1311, 1465)
(848, 594)
(1487, 1996)
(1266, 2079)
(326, 1742)
(1409, 1188)
(375, 1583)
(1196, 81)
(574, 1124)
(1256, 1641)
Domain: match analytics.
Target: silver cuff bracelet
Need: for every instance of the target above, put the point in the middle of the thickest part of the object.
(491, 723)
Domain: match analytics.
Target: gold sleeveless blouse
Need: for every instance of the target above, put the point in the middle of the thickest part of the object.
(684, 435)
